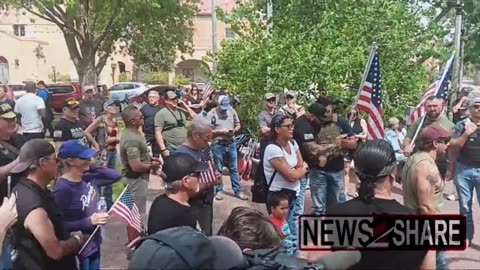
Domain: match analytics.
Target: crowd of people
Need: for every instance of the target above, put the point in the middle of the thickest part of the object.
(52, 189)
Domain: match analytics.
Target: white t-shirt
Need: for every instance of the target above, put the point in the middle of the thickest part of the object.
(28, 106)
(279, 182)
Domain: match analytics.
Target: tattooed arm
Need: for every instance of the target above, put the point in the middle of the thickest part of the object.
(426, 179)
(315, 150)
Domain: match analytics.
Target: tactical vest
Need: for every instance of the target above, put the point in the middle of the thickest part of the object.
(328, 135)
(470, 153)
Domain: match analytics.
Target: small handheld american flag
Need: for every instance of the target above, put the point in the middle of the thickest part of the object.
(126, 210)
(209, 175)
(370, 99)
(207, 90)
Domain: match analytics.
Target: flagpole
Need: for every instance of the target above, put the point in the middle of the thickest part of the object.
(447, 67)
(98, 226)
(365, 72)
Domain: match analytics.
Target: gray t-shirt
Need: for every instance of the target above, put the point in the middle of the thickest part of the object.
(172, 123)
(265, 118)
(222, 120)
(89, 111)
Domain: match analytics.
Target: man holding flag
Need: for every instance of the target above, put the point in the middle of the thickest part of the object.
(199, 136)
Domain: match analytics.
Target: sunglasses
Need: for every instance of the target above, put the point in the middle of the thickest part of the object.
(290, 126)
(476, 107)
(290, 97)
(73, 103)
(271, 100)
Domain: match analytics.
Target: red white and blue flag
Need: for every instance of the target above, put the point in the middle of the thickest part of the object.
(439, 88)
(127, 211)
(209, 175)
(370, 99)
(207, 90)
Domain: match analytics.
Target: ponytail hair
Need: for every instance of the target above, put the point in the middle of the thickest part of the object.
(374, 161)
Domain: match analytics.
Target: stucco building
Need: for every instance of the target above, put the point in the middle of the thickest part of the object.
(34, 49)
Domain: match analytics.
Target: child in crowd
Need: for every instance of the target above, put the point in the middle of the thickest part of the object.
(278, 203)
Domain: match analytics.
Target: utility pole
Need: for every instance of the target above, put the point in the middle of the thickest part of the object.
(214, 32)
(458, 41)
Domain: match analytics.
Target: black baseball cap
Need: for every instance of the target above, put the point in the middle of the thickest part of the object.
(32, 151)
(6, 111)
(71, 103)
(318, 110)
(177, 166)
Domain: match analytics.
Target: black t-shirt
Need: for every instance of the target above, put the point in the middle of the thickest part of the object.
(149, 113)
(66, 130)
(31, 255)
(7, 156)
(304, 132)
(380, 259)
(167, 213)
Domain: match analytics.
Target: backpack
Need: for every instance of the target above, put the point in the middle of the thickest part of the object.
(276, 259)
(328, 135)
(174, 248)
(260, 185)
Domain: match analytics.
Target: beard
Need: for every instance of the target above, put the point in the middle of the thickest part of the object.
(433, 114)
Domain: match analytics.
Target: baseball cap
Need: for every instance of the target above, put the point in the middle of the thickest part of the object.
(88, 89)
(6, 111)
(290, 93)
(108, 103)
(318, 110)
(474, 100)
(153, 93)
(74, 149)
(170, 95)
(32, 151)
(177, 166)
(432, 133)
(71, 103)
(269, 96)
(225, 103)
(186, 248)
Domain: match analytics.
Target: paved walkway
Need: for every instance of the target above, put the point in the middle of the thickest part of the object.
(114, 233)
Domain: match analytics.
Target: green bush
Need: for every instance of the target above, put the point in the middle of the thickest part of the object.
(156, 77)
(123, 77)
(181, 80)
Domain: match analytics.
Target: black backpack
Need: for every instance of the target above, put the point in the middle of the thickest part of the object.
(276, 259)
(260, 185)
(174, 248)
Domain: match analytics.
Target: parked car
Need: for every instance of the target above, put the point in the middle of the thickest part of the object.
(62, 91)
(18, 89)
(123, 90)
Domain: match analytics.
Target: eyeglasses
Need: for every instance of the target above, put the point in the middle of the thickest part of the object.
(290, 126)
(271, 100)
(290, 97)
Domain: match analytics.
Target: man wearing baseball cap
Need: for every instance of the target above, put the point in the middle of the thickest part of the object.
(291, 108)
(423, 184)
(149, 111)
(69, 127)
(40, 238)
(90, 107)
(181, 173)
(465, 145)
(225, 124)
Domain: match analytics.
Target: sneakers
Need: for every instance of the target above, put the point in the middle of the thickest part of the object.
(240, 195)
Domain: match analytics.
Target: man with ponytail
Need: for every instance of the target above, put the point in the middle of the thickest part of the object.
(375, 166)
(422, 182)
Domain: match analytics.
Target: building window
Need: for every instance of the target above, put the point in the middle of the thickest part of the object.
(19, 30)
(189, 73)
(229, 33)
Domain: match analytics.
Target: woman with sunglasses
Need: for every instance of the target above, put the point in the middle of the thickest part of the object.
(284, 167)
(194, 99)
(77, 192)
(359, 128)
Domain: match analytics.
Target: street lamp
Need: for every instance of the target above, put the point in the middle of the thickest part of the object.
(114, 66)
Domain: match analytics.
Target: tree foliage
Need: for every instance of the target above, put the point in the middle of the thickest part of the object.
(326, 43)
(152, 30)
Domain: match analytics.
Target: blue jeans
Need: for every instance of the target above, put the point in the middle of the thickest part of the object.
(466, 179)
(441, 260)
(326, 188)
(92, 262)
(227, 155)
(6, 259)
(107, 191)
(298, 209)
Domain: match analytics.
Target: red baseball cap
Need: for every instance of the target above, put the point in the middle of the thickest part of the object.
(432, 133)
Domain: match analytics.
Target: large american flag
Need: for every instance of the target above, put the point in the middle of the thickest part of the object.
(208, 176)
(370, 99)
(207, 90)
(126, 210)
(439, 88)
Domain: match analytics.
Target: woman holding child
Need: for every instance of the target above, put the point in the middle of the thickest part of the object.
(283, 169)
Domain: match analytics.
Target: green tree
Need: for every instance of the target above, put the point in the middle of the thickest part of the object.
(325, 43)
(151, 29)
